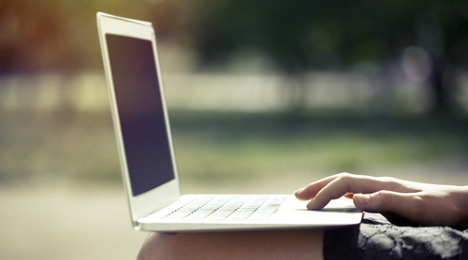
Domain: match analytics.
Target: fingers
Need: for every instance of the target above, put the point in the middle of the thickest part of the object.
(433, 207)
(312, 189)
(336, 186)
(403, 204)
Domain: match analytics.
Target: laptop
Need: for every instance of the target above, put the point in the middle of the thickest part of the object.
(147, 158)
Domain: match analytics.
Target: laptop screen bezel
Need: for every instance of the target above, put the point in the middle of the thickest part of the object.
(143, 204)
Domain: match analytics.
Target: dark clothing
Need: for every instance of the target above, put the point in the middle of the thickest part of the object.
(377, 238)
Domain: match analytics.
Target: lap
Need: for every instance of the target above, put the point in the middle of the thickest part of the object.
(284, 244)
(375, 238)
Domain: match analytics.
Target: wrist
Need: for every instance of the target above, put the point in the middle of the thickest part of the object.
(462, 204)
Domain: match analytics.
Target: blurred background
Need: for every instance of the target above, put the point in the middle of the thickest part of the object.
(263, 96)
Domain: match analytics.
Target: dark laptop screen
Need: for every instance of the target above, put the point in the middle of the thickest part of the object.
(141, 113)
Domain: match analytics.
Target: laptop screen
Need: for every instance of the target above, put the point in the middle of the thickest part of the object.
(141, 112)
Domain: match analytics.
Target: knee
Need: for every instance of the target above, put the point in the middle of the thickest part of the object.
(168, 246)
(151, 248)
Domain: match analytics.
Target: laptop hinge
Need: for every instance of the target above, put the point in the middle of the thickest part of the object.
(136, 225)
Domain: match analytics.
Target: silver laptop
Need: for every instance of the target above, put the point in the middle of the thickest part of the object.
(147, 158)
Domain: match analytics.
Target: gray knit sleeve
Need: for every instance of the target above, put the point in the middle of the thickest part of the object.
(376, 238)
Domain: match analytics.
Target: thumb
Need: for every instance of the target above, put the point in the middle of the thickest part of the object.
(381, 201)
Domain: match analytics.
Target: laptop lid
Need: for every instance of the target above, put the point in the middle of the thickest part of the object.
(139, 114)
(144, 140)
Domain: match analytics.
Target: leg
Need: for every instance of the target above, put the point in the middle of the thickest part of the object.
(280, 244)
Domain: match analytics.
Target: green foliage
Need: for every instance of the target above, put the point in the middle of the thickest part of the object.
(305, 34)
(229, 147)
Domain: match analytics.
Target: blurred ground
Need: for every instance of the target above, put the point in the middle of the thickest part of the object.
(58, 221)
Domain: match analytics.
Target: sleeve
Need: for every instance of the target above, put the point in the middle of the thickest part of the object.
(376, 238)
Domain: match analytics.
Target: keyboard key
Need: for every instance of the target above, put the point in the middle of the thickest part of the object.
(230, 208)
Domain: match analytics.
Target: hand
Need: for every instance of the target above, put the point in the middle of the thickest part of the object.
(426, 204)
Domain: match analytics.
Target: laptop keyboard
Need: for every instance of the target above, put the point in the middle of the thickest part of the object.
(225, 207)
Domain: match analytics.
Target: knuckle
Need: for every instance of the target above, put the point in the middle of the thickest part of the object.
(384, 198)
(388, 179)
(344, 181)
(345, 176)
(386, 182)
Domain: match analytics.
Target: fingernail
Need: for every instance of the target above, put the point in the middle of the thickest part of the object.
(362, 199)
(299, 190)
